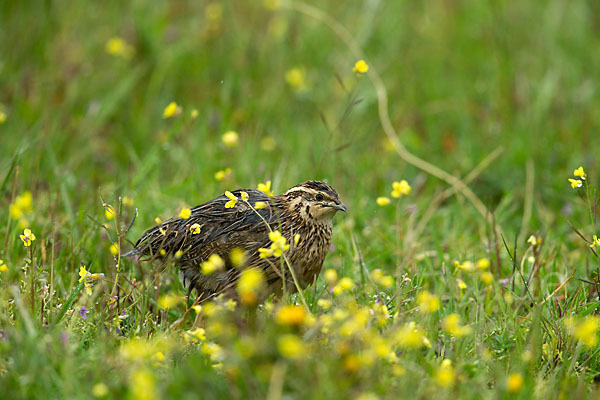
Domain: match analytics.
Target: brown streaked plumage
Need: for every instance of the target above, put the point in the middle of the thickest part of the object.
(306, 209)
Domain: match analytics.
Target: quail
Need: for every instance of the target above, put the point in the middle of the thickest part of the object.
(303, 215)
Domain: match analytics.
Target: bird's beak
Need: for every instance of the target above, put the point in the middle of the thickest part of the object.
(340, 207)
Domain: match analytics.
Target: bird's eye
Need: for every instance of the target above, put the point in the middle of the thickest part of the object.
(319, 197)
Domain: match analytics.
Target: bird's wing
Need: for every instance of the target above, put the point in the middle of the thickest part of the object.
(221, 229)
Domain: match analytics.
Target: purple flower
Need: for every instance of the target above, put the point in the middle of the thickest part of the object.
(83, 312)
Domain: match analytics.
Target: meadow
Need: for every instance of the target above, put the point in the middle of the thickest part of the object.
(461, 134)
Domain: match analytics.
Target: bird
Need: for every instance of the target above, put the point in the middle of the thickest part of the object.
(238, 227)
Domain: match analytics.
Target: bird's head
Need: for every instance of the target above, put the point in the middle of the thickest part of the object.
(314, 200)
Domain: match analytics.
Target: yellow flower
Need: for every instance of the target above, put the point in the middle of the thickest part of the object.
(291, 315)
(169, 300)
(232, 199)
(24, 201)
(486, 277)
(195, 335)
(116, 46)
(483, 263)
(451, 324)
(185, 213)
(330, 277)
(290, 346)
(237, 257)
(214, 263)
(171, 110)
(109, 211)
(194, 114)
(383, 201)
(580, 173)
(157, 221)
(382, 279)
(197, 308)
(296, 78)
(428, 302)
(265, 188)
(575, 183)
(410, 336)
(445, 374)
(142, 385)
(244, 196)
(259, 205)
(230, 139)
(466, 266)
(360, 67)
(3, 267)
(278, 245)
(195, 229)
(2, 117)
(128, 201)
(595, 241)
(401, 188)
(82, 272)
(249, 285)
(222, 174)
(514, 383)
(99, 390)
(461, 284)
(584, 329)
(27, 237)
(114, 249)
(346, 284)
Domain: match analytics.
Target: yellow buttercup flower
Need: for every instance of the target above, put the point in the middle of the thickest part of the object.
(291, 346)
(383, 201)
(401, 188)
(580, 173)
(114, 249)
(3, 267)
(445, 374)
(195, 229)
(428, 302)
(27, 237)
(169, 300)
(452, 325)
(214, 263)
(575, 183)
(410, 335)
(259, 205)
(171, 110)
(185, 213)
(514, 383)
(117, 46)
(244, 196)
(360, 67)
(222, 174)
(584, 329)
(291, 315)
(296, 78)
(249, 285)
(194, 114)
(595, 241)
(109, 211)
(232, 199)
(278, 245)
(230, 139)
(265, 188)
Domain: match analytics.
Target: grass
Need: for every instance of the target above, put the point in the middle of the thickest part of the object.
(501, 94)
